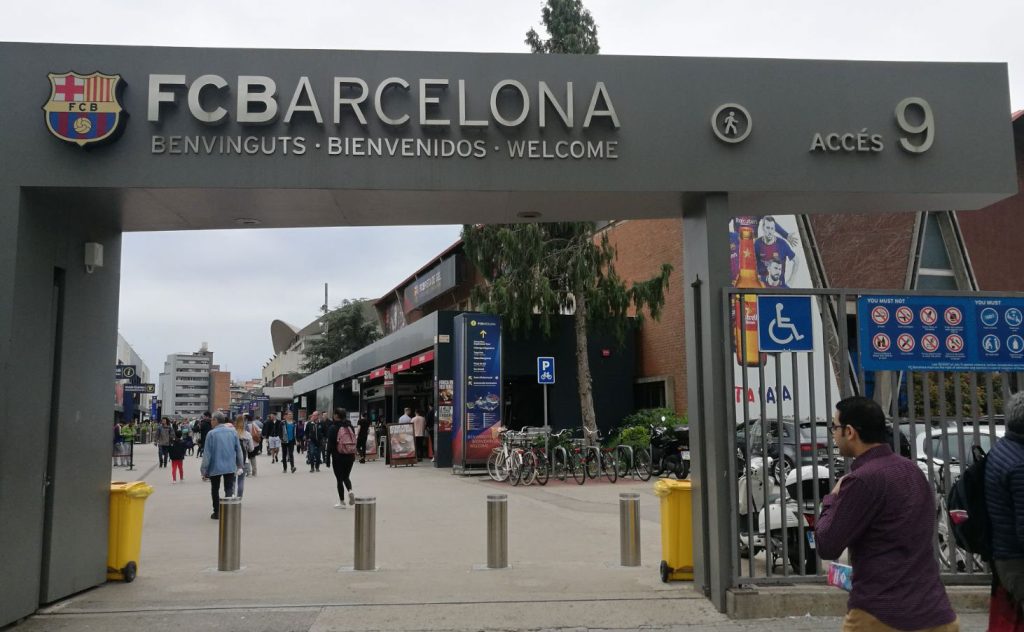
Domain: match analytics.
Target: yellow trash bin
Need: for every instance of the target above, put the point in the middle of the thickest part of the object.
(676, 529)
(127, 502)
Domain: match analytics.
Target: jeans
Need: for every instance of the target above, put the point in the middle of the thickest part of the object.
(229, 489)
(287, 455)
(313, 455)
(164, 452)
(177, 470)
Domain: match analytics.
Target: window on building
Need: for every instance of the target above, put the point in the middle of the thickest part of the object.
(934, 271)
(649, 394)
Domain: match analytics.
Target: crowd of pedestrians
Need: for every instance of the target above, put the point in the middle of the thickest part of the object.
(229, 448)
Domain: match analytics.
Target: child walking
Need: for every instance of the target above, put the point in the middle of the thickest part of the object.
(177, 453)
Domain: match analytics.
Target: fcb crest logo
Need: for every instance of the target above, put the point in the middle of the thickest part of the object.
(85, 109)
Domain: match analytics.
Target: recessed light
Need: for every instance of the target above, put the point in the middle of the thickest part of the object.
(528, 214)
(248, 221)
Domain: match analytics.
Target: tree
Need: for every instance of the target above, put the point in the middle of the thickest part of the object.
(348, 331)
(570, 27)
(542, 270)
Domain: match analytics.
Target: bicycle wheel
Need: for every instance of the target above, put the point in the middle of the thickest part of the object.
(515, 468)
(609, 465)
(560, 463)
(623, 460)
(593, 462)
(642, 463)
(496, 465)
(543, 468)
(531, 465)
(578, 467)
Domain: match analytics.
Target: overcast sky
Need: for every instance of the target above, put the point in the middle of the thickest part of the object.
(260, 275)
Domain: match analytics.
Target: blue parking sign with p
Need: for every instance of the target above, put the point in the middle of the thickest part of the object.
(545, 370)
(784, 323)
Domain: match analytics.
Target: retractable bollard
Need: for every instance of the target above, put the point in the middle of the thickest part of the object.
(497, 531)
(230, 540)
(629, 529)
(366, 534)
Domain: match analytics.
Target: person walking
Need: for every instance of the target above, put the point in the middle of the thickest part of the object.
(176, 452)
(245, 439)
(322, 425)
(253, 428)
(342, 439)
(883, 512)
(419, 431)
(222, 459)
(1004, 497)
(205, 425)
(361, 437)
(162, 439)
(287, 432)
(430, 431)
(272, 431)
(311, 432)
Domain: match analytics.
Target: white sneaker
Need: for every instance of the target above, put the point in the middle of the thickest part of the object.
(339, 505)
(351, 498)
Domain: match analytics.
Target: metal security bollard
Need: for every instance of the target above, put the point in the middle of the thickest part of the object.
(629, 529)
(497, 531)
(229, 543)
(366, 534)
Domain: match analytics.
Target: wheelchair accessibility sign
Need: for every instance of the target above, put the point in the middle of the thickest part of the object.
(784, 324)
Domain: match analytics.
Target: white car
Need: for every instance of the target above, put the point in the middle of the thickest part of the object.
(941, 447)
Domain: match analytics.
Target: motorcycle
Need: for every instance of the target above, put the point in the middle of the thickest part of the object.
(670, 451)
(780, 521)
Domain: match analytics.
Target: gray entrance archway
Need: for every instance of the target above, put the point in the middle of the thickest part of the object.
(101, 140)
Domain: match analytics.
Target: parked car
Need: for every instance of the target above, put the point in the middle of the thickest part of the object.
(798, 444)
(941, 447)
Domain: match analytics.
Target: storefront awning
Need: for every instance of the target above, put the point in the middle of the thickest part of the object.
(408, 363)
(378, 373)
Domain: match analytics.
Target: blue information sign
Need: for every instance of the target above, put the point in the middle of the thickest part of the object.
(941, 333)
(545, 370)
(784, 323)
(478, 387)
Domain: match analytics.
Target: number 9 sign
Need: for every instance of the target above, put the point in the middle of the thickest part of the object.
(926, 128)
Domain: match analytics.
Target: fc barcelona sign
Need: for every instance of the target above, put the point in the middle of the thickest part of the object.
(84, 109)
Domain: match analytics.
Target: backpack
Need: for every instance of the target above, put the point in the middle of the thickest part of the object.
(968, 515)
(346, 440)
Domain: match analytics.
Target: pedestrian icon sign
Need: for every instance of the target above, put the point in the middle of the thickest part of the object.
(990, 343)
(784, 324)
(545, 370)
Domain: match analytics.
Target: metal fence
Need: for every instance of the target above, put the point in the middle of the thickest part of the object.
(786, 461)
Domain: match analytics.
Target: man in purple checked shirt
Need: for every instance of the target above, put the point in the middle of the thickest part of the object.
(883, 512)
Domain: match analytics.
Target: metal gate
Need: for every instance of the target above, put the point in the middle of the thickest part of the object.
(781, 420)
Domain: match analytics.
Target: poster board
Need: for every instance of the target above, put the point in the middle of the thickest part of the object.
(401, 444)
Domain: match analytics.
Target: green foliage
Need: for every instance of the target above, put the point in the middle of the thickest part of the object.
(348, 331)
(951, 386)
(634, 436)
(539, 269)
(571, 29)
(653, 417)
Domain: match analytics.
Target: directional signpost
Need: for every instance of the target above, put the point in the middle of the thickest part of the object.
(148, 388)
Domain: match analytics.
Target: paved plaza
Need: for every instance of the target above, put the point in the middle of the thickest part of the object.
(431, 542)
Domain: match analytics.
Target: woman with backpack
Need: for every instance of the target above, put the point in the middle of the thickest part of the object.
(341, 437)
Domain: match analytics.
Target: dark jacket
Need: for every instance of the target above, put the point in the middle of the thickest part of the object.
(177, 450)
(270, 428)
(332, 435)
(1004, 495)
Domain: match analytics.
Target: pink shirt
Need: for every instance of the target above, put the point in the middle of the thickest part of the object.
(419, 425)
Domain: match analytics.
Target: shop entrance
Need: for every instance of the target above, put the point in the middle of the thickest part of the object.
(135, 138)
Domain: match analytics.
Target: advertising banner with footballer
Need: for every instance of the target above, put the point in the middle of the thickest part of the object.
(766, 253)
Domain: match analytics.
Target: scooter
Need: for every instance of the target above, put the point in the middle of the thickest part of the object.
(780, 521)
(670, 451)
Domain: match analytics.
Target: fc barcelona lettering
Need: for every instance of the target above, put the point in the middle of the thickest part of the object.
(84, 109)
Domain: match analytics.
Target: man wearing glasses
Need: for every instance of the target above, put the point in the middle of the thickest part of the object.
(883, 513)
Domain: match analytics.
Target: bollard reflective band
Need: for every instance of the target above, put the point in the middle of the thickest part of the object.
(497, 497)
